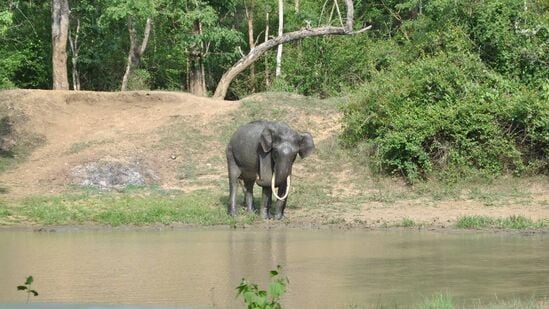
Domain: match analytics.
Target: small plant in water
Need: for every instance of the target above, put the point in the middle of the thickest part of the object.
(27, 288)
(261, 299)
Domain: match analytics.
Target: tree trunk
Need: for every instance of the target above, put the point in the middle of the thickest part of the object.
(59, 35)
(197, 80)
(75, 50)
(260, 49)
(136, 50)
(251, 41)
(267, 81)
(278, 71)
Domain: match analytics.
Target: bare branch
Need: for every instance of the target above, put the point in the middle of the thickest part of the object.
(260, 49)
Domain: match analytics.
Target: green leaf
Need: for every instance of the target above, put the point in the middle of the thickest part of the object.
(29, 280)
(276, 289)
(21, 288)
(34, 292)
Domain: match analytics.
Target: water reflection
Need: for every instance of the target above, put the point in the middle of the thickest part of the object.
(327, 269)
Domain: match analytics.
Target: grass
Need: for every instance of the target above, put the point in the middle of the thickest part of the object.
(200, 208)
(4, 211)
(80, 146)
(445, 301)
(441, 301)
(512, 222)
(407, 222)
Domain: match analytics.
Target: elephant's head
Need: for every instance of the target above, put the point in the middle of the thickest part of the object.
(280, 146)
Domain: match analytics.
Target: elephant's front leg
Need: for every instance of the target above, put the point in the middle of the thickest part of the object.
(249, 195)
(267, 195)
(281, 204)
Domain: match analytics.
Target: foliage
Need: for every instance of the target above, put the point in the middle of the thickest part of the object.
(512, 222)
(27, 288)
(256, 298)
(24, 45)
(439, 107)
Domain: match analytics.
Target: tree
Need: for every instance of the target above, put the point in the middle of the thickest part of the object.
(253, 55)
(135, 12)
(75, 48)
(207, 39)
(267, 11)
(59, 34)
(249, 8)
(278, 70)
(136, 49)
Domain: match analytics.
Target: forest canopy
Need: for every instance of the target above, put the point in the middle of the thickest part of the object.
(438, 88)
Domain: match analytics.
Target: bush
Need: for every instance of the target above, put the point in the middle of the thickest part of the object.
(465, 92)
(451, 115)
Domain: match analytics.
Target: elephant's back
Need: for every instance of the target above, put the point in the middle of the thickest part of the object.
(244, 144)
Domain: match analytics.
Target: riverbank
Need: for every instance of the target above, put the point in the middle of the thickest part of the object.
(172, 144)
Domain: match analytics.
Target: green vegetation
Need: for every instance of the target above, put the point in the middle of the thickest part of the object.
(256, 298)
(512, 222)
(463, 93)
(441, 301)
(129, 208)
(444, 301)
(407, 222)
(27, 288)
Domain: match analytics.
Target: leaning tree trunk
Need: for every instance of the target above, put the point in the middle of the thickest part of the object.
(260, 49)
(197, 80)
(136, 50)
(59, 36)
(278, 71)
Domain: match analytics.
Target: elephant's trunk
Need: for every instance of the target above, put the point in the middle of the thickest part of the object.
(273, 181)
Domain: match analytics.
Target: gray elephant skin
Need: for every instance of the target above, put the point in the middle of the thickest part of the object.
(263, 152)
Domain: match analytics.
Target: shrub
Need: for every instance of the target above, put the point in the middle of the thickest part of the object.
(448, 114)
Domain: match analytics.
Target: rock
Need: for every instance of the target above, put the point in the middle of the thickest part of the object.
(108, 174)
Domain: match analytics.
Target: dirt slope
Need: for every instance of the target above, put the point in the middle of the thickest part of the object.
(81, 127)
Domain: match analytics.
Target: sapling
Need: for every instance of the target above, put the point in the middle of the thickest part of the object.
(27, 288)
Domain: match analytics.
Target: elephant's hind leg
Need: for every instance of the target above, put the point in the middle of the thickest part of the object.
(234, 173)
(249, 184)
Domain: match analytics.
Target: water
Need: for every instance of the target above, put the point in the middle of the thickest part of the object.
(327, 269)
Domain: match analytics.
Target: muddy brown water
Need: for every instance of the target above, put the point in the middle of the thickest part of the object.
(326, 268)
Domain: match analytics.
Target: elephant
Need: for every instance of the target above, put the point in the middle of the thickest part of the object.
(263, 152)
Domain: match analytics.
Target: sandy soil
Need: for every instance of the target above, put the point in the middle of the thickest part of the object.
(122, 126)
(80, 127)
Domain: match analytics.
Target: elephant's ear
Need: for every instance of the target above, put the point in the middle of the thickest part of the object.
(306, 146)
(266, 139)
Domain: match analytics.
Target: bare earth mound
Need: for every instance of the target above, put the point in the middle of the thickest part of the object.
(176, 141)
(84, 127)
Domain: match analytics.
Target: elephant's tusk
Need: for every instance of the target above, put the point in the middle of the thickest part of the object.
(273, 188)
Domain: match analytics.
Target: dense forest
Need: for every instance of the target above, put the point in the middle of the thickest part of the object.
(437, 88)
